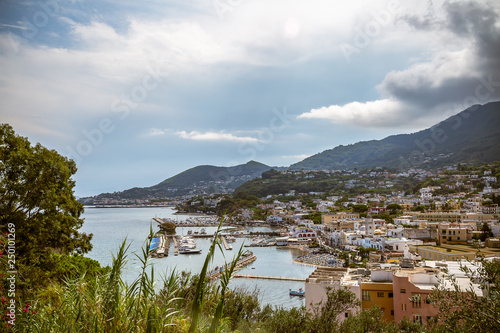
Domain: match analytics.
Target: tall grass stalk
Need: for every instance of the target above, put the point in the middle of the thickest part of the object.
(202, 284)
(105, 303)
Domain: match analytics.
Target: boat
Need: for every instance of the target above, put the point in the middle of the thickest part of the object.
(155, 242)
(299, 292)
(189, 251)
(203, 231)
(229, 247)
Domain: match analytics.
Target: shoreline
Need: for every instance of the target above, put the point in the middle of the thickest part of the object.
(128, 206)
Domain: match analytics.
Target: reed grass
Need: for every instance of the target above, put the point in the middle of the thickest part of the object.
(106, 303)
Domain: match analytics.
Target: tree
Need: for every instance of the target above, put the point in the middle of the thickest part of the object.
(394, 208)
(359, 208)
(325, 315)
(467, 310)
(486, 232)
(38, 204)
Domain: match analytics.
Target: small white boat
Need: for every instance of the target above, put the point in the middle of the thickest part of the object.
(189, 251)
(299, 292)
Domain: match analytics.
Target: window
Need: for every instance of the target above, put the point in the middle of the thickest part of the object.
(416, 300)
(392, 312)
(417, 318)
(403, 291)
(366, 295)
(380, 294)
(347, 314)
(458, 238)
(391, 295)
(403, 307)
(427, 300)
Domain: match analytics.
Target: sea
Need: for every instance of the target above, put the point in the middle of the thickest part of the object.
(112, 226)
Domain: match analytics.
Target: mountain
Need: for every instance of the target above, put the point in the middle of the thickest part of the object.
(472, 136)
(203, 179)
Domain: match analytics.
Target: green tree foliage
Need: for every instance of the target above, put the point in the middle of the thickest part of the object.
(486, 232)
(369, 320)
(465, 311)
(326, 315)
(37, 199)
(394, 208)
(359, 208)
(314, 216)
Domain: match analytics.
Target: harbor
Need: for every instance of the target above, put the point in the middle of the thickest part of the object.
(134, 225)
(267, 277)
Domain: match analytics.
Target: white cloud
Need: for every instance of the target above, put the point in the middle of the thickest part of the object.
(377, 113)
(156, 132)
(214, 136)
(201, 136)
(300, 157)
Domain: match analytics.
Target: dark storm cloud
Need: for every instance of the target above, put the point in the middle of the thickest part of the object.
(451, 76)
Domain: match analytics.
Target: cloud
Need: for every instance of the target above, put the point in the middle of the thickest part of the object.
(370, 114)
(202, 136)
(214, 136)
(300, 157)
(156, 132)
(453, 79)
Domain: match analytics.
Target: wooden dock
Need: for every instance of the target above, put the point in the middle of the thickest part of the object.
(269, 277)
(176, 246)
(217, 273)
(225, 242)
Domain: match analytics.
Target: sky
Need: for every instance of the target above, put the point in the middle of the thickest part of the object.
(138, 91)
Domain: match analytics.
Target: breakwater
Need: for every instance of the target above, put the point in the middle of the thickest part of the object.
(217, 272)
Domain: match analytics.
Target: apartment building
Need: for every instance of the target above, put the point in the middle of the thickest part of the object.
(412, 288)
(454, 233)
(330, 217)
(378, 291)
(442, 254)
(321, 280)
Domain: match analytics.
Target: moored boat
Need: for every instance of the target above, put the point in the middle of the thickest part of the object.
(299, 292)
(189, 251)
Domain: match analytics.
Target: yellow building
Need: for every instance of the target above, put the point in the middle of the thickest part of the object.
(381, 294)
(454, 233)
(334, 217)
(442, 253)
(451, 216)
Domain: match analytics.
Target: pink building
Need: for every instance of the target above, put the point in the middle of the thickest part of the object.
(412, 286)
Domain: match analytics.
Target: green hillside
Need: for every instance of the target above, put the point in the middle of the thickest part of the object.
(470, 136)
(203, 179)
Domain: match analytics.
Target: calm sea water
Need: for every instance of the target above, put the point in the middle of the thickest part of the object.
(111, 226)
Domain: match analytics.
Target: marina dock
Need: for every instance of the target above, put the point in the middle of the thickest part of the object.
(269, 277)
(176, 246)
(217, 272)
(225, 242)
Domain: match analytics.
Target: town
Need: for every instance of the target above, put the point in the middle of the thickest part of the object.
(391, 246)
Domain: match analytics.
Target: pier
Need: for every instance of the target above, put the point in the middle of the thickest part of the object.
(176, 246)
(217, 272)
(225, 242)
(269, 277)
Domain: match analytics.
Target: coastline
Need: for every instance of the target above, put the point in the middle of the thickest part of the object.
(127, 206)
